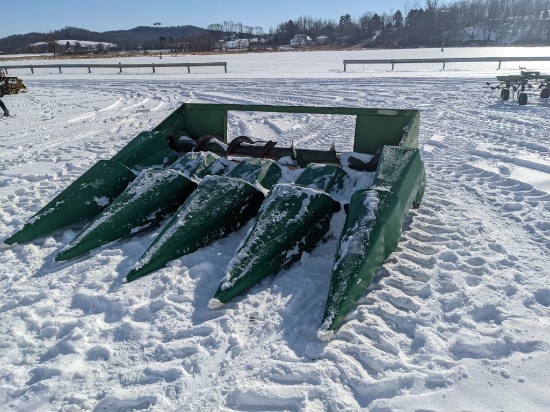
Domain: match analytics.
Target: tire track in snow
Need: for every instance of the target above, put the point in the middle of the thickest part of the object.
(421, 318)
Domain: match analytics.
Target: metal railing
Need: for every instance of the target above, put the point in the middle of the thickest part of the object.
(119, 66)
(393, 62)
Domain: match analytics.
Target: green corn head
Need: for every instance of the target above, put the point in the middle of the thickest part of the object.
(185, 171)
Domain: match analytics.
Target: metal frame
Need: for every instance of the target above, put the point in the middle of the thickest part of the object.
(374, 128)
(119, 66)
(393, 62)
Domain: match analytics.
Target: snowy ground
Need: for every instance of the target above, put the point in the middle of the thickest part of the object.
(457, 318)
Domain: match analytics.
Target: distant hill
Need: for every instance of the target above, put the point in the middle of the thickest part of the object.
(139, 37)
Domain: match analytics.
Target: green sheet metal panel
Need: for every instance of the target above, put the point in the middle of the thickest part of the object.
(145, 150)
(84, 198)
(199, 164)
(217, 207)
(153, 196)
(386, 127)
(220, 205)
(293, 218)
(296, 109)
(371, 232)
(374, 127)
(372, 229)
(105, 180)
(262, 171)
(201, 122)
(326, 178)
(173, 123)
(372, 133)
(409, 139)
(401, 171)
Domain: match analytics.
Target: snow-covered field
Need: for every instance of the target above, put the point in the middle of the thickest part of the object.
(458, 318)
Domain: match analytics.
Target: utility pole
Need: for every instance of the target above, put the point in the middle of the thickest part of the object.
(444, 13)
(157, 25)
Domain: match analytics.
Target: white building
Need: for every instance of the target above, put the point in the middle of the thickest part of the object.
(300, 40)
(236, 44)
(322, 40)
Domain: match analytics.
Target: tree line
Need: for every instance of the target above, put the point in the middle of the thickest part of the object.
(462, 22)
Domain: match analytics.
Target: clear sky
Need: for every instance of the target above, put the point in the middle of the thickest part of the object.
(25, 16)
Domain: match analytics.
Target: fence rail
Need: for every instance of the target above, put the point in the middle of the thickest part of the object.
(393, 62)
(119, 66)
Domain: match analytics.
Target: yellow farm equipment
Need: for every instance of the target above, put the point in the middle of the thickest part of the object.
(10, 84)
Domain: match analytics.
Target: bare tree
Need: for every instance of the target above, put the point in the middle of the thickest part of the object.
(51, 40)
(217, 30)
(229, 29)
(258, 31)
(249, 30)
(239, 29)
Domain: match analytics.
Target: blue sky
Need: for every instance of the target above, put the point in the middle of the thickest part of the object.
(25, 16)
